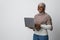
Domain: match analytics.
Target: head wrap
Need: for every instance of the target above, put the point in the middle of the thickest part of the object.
(41, 4)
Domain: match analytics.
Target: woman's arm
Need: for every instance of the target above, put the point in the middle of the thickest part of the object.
(48, 24)
(44, 26)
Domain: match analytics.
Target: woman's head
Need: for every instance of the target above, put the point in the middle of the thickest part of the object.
(41, 7)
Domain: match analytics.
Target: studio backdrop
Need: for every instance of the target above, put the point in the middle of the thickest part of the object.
(12, 13)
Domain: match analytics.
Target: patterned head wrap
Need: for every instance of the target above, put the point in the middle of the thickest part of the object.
(41, 4)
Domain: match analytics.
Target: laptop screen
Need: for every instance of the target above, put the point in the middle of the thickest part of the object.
(29, 22)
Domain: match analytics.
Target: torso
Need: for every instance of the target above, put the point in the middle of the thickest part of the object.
(41, 19)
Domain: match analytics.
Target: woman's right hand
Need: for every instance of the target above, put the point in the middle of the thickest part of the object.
(37, 27)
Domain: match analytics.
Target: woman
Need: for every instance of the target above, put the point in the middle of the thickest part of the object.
(43, 22)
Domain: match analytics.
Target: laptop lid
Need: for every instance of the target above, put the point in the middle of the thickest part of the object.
(29, 22)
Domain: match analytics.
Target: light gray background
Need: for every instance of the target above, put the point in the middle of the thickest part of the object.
(12, 13)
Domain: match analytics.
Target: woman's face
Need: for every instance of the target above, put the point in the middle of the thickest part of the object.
(41, 9)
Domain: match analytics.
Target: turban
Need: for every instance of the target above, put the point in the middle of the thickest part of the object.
(41, 4)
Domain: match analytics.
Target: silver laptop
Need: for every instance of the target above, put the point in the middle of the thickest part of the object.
(29, 22)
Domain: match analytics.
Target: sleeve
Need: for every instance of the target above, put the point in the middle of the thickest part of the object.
(34, 22)
(35, 19)
(44, 26)
(48, 24)
(49, 20)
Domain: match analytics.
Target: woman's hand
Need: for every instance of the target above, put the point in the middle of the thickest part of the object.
(37, 27)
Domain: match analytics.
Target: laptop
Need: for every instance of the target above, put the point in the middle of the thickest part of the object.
(29, 22)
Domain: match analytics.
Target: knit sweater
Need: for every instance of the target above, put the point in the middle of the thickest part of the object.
(42, 18)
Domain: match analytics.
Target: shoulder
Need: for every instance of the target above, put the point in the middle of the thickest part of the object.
(48, 16)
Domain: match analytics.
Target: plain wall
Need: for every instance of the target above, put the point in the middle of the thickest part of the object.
(12, 13)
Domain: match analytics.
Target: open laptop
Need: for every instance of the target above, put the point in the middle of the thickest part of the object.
(29, 22)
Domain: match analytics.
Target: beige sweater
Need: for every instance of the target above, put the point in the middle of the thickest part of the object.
(42, 18)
